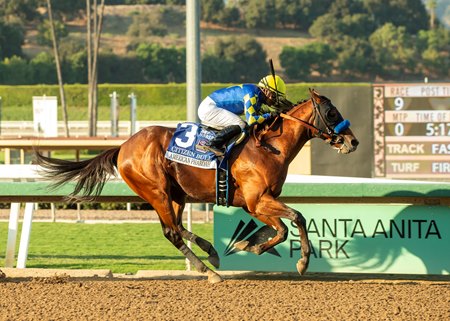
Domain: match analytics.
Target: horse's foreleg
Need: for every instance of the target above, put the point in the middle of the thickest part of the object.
(274, 235)
(300, 221)
(273, 208)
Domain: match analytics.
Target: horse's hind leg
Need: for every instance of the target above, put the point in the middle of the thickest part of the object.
(206, 246)
(157, 194)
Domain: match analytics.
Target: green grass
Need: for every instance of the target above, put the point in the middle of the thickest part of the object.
(75, 113)
(121, 248)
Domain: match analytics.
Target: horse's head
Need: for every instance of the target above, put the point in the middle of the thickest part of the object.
(325, 122)
(330, 124)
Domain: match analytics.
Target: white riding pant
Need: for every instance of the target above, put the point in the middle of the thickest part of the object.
(217, 117)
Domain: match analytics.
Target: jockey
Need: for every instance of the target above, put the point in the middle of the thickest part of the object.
(222, 108)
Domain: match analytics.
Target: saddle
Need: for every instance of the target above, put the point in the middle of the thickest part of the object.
(189, 146)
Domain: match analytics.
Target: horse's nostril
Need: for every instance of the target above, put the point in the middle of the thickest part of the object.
(355, 142)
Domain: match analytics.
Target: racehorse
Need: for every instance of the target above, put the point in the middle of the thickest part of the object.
(258, 168)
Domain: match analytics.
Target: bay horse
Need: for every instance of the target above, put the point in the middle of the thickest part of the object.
(258, 168)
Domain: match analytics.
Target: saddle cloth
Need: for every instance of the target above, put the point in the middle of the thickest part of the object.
(187, 146)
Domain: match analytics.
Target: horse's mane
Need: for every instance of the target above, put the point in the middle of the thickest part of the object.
(300, 102)
(275, 122)
(259, 130)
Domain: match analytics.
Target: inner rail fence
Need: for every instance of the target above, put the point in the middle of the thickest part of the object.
(429, 202)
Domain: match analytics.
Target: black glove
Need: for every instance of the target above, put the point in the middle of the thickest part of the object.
(274, 114)
(286, 104)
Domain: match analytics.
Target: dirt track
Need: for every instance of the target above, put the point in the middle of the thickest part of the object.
(238, 298)
(61, 298)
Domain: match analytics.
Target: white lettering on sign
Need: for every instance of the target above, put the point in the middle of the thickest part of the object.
(425, 117)
(443, 116)
(200, 163)
(398, 91)
(333, 249)
(429, 91)
(440, 149)
(405, 148)
(399, 116)
(443, 167)
(350, 228)
(417, 116)
(405, 167)
(393, 91)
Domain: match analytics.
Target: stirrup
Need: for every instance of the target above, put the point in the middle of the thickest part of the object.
(215, 150)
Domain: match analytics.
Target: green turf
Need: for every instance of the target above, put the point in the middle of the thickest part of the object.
(153, 113)
(122, 248)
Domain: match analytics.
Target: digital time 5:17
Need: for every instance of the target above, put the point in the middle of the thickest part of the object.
(438, 129)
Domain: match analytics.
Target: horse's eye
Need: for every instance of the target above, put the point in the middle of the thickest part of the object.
(332, 114)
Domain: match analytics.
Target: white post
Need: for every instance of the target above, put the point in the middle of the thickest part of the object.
(193, 65)
(53, 211)
(78, 212)
(133, 110)
(189, 227)
(114, 114)
(12, 234)
(207, 213)
(193, 74)
(25, 236)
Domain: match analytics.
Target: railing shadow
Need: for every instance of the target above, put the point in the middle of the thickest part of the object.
(418, 230)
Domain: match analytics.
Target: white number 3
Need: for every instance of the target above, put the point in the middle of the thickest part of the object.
(189, 135)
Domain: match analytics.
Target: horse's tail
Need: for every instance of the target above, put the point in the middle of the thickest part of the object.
(90, 175)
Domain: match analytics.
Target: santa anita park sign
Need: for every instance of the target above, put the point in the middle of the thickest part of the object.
(354, 238)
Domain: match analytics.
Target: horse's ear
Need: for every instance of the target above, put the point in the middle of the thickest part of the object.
(314, 94)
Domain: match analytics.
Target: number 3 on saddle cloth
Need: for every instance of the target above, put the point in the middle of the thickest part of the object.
(188, 147)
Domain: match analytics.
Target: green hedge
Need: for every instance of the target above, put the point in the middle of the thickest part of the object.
(155, 102)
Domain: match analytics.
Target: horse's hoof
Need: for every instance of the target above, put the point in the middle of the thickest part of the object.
(213, 277)
(257, 249)
(241, 245)
(214, 260)
(302, 266)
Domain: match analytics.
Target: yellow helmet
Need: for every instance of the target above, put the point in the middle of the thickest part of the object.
(276, 85)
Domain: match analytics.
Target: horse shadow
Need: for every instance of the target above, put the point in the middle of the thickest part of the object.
(417, 235)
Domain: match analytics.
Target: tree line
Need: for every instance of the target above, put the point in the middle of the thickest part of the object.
(149, 63)
(354, 40)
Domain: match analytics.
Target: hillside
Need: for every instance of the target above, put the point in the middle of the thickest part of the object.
(117, 19)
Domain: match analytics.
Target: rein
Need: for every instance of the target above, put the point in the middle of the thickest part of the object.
(331, 135)
(316, 132)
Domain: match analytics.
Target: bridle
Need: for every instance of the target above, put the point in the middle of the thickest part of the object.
(331, 135)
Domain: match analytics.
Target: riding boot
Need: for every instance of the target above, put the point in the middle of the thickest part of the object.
(216, 144)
